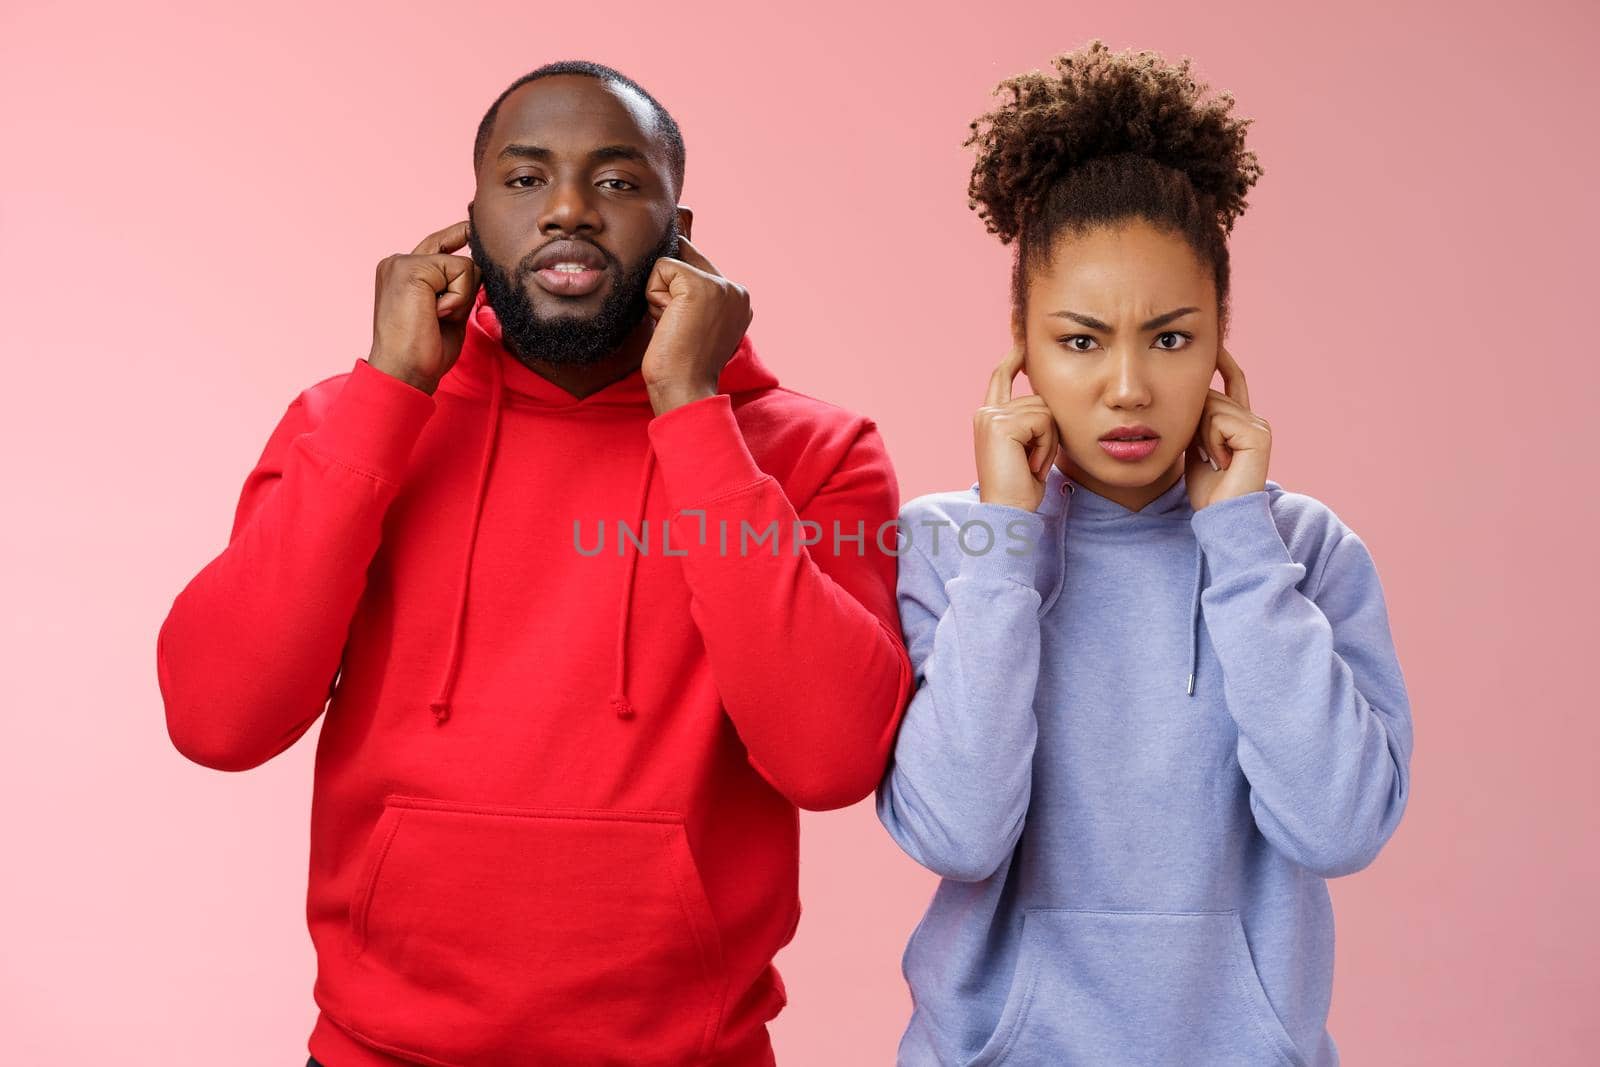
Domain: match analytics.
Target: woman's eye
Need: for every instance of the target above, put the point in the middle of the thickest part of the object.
(1181, 340)
(1072, 342)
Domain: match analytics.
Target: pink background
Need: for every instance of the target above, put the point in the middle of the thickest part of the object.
(195, 200)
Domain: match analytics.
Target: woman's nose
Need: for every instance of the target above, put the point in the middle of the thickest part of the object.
(1125, 384)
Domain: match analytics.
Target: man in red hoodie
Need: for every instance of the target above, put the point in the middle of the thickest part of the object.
(593, 604)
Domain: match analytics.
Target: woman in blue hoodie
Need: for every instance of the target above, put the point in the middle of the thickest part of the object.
(1158, 702)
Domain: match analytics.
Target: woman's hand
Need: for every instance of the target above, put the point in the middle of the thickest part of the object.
(1228, 456)
(1015, 441)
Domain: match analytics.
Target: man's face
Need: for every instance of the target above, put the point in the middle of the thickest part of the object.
(574, 205)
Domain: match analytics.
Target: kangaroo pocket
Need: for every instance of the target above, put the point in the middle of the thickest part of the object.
(498, 935)
(1121, 987)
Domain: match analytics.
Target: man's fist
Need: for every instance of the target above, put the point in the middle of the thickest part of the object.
(700, 316)
(420, 309)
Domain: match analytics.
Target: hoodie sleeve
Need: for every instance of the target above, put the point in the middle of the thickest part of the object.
(956, 794)
(250, 649)
(1313, 684)
(800, 633)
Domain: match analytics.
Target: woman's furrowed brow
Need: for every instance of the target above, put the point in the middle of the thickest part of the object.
(1095, 324)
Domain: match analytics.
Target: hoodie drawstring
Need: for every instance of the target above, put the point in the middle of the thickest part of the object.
(1061, 552)
(619, 693)
(441, 703)
(1194, 602)
(619, 701)
(485, 356)
(1194, 616)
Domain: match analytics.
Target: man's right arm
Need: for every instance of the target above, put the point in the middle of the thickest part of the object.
(248, 653)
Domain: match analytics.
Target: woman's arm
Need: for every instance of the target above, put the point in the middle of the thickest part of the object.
(1312, 682)
(956, 793)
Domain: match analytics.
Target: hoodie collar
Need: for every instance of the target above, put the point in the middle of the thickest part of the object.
(486, 369)
(1066, 498)
(1088, 506)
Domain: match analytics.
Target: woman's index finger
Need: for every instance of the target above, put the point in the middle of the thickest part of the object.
(1006, 372)
(1233, 383)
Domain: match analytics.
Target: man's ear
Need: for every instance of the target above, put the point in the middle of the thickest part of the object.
(685, 221)
(469, 217)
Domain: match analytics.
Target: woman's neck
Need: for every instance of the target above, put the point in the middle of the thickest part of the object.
(1132, 497)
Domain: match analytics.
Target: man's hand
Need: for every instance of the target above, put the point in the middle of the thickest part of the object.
(420, 309)
(700, 317)
(1232, 445)
(1015, 441)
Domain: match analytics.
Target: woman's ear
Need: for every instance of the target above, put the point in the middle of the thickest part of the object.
(685, 221)
(1019, 330)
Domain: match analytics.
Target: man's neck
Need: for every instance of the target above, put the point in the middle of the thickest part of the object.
(585, 379)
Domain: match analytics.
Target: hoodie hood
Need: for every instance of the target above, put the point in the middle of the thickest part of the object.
(1066, 501)
(486, 369)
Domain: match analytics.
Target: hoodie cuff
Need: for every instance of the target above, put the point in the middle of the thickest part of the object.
(374, 422)
(1239, 532)
(702, 451)
(1017, 537)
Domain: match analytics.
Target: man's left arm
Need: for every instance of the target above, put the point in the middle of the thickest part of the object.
(801, 630)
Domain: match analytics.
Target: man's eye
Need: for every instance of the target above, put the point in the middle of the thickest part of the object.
(617, 184)
(1072, 342)
(524, 178)
(1176, 336)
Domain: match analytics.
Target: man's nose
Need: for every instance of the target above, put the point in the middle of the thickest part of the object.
(568, 208)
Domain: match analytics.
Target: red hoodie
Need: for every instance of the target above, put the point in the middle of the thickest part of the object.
(554, 816)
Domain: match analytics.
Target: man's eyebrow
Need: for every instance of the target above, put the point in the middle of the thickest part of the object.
(1095, 324)
(619, 151)
(526, 151)
(541, 154)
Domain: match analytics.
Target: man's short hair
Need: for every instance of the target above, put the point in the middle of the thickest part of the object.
(666, 126)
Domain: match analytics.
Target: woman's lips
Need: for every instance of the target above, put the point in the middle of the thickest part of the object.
(576, 280)
(1129, 450)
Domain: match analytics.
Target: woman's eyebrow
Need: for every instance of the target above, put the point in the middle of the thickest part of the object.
(1095, 324)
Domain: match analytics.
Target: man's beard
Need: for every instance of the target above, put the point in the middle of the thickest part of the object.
(568, 339)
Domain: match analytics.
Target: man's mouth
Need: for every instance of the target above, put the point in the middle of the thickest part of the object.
(569, 268)
(569, 279)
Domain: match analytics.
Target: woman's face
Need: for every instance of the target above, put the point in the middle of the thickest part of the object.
(1121, 339)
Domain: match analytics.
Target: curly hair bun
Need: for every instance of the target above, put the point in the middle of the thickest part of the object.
(1101, 104)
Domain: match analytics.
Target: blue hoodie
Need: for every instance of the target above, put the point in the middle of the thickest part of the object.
(1140, 743)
